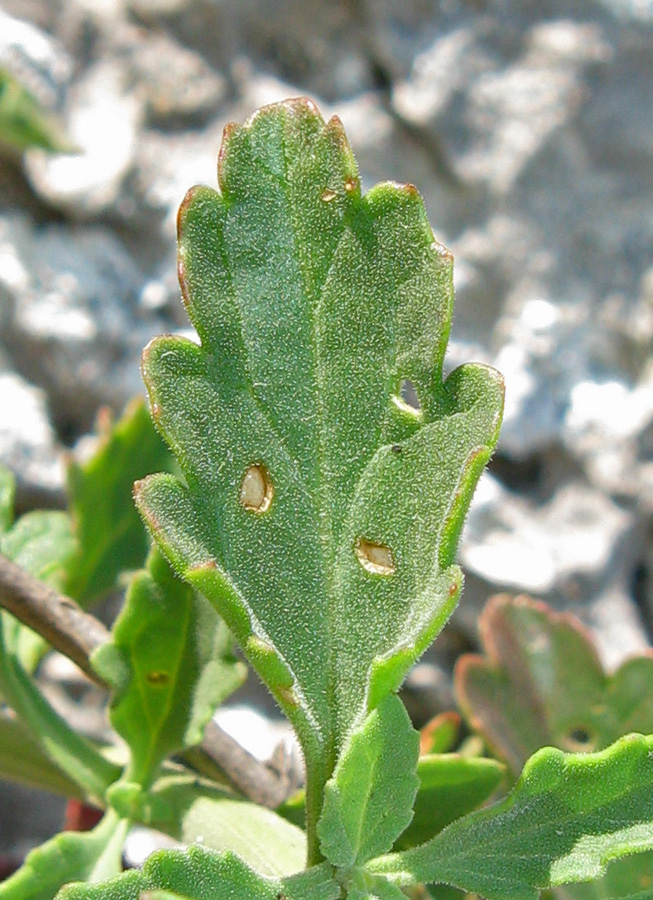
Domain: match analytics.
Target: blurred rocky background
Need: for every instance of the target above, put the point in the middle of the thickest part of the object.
(527, 127)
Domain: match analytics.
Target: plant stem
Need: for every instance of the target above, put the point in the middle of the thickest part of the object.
(56, 618)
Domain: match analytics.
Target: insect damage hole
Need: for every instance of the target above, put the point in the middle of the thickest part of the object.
(256, 490)
(377, 559)
(406, 398)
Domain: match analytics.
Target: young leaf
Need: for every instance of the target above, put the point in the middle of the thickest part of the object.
(200, 874)
(92, 856)
(369, 800)
(450, 786)
(567, 817)
(109, 533)
(541, 683)
(170, 662)
(320, 512)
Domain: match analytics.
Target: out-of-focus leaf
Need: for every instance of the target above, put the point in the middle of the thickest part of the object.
(541, 683)
(567, 817)
(25, 123)
(191, 810)
(21, 759)
(450, 787)
(369, 799)
(7, 492)
(67, 749)
(108, 530)
(93, 856)
(200, 874)
(440, 734)
(171, 662)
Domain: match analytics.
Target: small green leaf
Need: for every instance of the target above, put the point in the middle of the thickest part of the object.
(199, 811)
(42, 543)
(541, 683)
(200, 874)
(568, 816)
(108, 530)
(21, 759)
(25, 123)
(91, 856)
(7, 493)
(369, 800)
(170, 661)
(441, 734)
(450, 786)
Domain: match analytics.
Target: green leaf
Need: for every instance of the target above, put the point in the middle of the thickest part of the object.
(107, 528)
(24, 123)
(541, 683)
(441, 734)
(319, 512)
(67, 749)
(450, 786)
(42, 543)
(568, 816)
(626, 879)
(170, 661)
(92, 856)
(21, 759)
(7, 493)
(201, 874)
(369, 800)
(196, 811)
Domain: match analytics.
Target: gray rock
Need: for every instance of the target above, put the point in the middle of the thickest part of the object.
(28, 445)
(74, 321)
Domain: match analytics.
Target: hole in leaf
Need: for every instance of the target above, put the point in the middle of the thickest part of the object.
(328, 195)
(158, 679)
(256, 491)
(407, 399)
(580, 738)
(375, 558)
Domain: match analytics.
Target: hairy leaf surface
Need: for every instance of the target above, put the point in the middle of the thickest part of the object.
(200, 874)
(369, 800)
(319, 511)
(567, 817)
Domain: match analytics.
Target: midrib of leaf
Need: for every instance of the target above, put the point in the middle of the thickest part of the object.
(146, 772)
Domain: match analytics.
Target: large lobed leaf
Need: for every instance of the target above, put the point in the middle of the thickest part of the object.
(567, 818)
(319, 512)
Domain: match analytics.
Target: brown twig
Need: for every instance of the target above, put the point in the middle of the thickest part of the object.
(76, 634)
(56, 618)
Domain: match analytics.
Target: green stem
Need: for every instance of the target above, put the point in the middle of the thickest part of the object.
(316, 779)
(71, 752)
